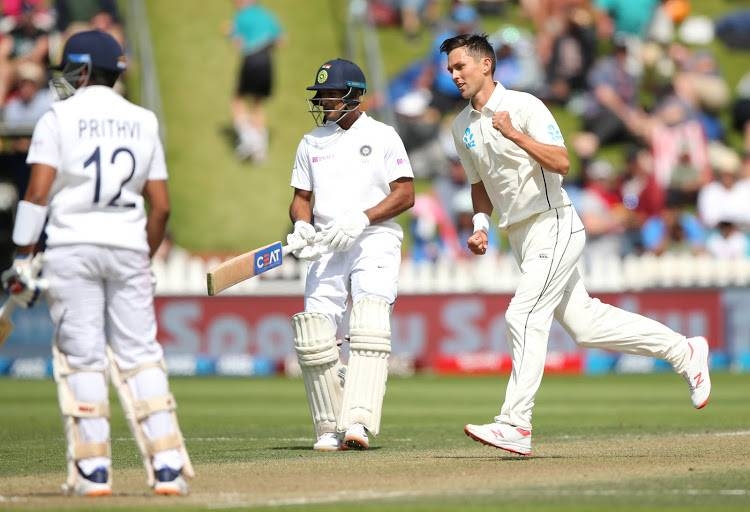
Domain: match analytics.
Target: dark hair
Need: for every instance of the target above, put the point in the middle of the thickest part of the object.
(101, 76)
(476, 45)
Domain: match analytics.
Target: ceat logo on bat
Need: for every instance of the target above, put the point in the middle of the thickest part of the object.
(267, 258)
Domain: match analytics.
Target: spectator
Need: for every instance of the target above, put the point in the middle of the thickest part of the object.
(31, 101)
(727, 198)
(411, 15)
(75, 16)
(27, 40)
(464, 19)
(674, 230)
(517, 63)
(699, 82)
(630, 18)
(680, 150)
(728, 242)
(642, 196)
(571, 56)
(432, 231)
(609, 104)
(601, 211)
(255, 31)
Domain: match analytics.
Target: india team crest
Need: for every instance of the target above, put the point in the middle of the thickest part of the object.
(322, 76)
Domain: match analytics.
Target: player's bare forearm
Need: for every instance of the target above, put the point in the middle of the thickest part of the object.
(157, 196)
(301, 207)
(156, 226)
(550, 157)
(398, 201)
(480, 199)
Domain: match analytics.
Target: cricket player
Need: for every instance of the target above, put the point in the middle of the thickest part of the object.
(351, 177)
(94, 158)
(515, 159)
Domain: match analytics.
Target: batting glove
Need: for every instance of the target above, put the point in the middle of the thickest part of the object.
(303, 234)
(309, 253)
(345, 230)
(304, 230)
(22, 283)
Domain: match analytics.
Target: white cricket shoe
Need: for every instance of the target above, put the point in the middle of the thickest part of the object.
(501, 435)
(356, 438)
(696, 375)
(92, 485)
(169, 482)
(327, 442)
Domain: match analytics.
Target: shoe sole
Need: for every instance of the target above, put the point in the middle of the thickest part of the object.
(327, 448)
(487, 443)
(97, 494)
(171, 491)
(356, 443)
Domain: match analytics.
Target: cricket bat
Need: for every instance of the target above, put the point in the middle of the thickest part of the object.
(6, 325)
(249, 264)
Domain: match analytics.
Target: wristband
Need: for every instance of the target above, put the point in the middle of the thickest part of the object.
(30, 219)
(481, 222)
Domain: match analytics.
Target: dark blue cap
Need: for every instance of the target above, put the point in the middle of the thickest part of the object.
(339, 74)
(94, 47)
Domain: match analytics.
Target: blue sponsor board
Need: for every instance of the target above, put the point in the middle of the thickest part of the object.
(268, 258)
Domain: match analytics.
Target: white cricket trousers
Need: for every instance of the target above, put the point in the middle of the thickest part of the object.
(547, 248)
(104, 295)
(370, 267)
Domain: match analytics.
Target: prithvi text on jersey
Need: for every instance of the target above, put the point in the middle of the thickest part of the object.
(95, 128)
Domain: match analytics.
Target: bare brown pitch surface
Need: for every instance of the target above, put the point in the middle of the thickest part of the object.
(557, 466)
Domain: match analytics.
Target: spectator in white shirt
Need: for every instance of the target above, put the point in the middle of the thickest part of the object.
(728, 242)
(728, 196)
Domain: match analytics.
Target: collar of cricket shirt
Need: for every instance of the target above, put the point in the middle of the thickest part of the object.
(495, 98)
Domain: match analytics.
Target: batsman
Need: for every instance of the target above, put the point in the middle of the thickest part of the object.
(351, 177)
(95, 160)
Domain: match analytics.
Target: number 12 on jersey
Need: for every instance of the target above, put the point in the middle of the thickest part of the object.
(96, 160)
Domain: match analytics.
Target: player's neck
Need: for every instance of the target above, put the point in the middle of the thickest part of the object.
(480, 99)
(349, 119)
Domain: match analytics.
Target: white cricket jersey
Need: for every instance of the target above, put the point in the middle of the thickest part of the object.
(104, 149)
(350, 170)
(517, 185)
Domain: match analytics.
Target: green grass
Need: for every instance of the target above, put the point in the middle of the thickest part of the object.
(252, 423)
(222, 205)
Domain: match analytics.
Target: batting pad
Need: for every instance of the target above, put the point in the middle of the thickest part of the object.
(318, 355)
(137, 410)
(73, 411)
(370, 344)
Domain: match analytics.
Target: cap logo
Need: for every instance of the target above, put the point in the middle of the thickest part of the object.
(79, 58)
(322, 76)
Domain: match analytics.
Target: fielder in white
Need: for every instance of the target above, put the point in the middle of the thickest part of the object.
(515, 157)
(351, 176)
(94, 158)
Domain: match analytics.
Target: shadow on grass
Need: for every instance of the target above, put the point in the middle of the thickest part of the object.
(306, 448)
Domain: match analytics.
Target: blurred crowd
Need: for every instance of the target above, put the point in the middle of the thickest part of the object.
(640, 79)
(32, 35)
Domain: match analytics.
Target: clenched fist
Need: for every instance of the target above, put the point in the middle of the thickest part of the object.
(501, 122)
(477, 243)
